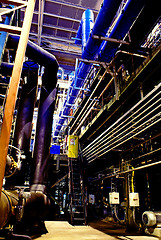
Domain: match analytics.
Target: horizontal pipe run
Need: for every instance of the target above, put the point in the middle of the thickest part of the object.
(121, 28)
(89, 106)
(125, 125)
(109, 83)
(146, 154)
(142, 130)
(101, 26)
(114, 133)
(117, 127)
(128, 171)
(104, 146)
(135, 106)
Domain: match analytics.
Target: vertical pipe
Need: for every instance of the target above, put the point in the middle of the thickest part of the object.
(23, 126)
(87, 25)
(43, 132)
(12, 92)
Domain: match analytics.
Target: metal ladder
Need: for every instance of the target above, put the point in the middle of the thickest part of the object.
(77, 193)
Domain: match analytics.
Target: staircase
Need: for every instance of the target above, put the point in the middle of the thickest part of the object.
(77, 193)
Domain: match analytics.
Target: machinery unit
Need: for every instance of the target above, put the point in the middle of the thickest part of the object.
(152, 223)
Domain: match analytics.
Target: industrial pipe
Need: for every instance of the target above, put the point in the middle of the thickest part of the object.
(121, 28)
(46, 107)
(152, 116)
(100, 28)
(23, 128)
(103, 21)
(90, 97)
(43, 133)
(95, 142)
(149, 123)
(85, 27)
(36, 53)
(126, 127)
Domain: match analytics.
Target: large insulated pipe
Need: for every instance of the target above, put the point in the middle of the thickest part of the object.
(100, 28)
(85, 27)
(36, 53)
(121, 28)
(23, 128)
(45, 112)
(26, 108)
(103, 21)
(43, 131)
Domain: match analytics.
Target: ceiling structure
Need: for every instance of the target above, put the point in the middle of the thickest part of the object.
(54, 27)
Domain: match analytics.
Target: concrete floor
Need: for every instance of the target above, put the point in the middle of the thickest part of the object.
(62, 230)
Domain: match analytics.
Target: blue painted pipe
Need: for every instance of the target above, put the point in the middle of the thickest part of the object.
(87, 25)
(103, 21)
(79, 34)
(101, 26)
(123, 24)
(3, 35)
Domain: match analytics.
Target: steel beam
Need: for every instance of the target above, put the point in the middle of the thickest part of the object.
(71, 5)
(14, 2)
(56, 27)
(110, 39)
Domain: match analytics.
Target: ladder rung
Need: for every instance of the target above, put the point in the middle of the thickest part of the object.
(14, 2)
(10, 29)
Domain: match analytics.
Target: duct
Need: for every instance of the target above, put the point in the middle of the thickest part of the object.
(121, 28)
(103, 21)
